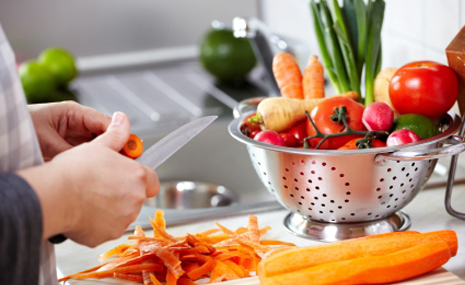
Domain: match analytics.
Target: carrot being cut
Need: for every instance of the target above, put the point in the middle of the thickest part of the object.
(280, 114)
(287, 73)
(313, 81)
(134, 147)
(383, 269)
(305, 257)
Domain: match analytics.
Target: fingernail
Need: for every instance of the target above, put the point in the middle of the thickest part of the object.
(117, 119)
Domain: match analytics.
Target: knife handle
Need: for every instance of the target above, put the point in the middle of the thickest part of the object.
(133, 148)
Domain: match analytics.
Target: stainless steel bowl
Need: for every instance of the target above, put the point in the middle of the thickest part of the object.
(338, 187)
(191, 195)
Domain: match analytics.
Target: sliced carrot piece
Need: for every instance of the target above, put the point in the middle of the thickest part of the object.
(235, 268)
(154, 279)
(109, 273)
(134, 147)
(128, 277)
(171, 279)
(185, 281)
(206, 268)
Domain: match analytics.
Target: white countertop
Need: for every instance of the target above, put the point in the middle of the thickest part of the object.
(426, 211)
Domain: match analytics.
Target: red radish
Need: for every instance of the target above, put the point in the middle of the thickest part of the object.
(289, 139)
(378, 116)
(402, 136)
(270, 137)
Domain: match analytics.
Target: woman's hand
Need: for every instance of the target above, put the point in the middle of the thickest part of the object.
(60, 126)
(91, 193)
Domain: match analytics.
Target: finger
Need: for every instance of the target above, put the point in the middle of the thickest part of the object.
(91, 119)
(117, 133)
(54, 145)
(153, 184)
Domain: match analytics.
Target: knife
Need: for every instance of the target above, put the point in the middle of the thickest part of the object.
(167, 146)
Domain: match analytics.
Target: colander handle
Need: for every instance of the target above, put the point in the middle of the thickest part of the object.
(247, 105)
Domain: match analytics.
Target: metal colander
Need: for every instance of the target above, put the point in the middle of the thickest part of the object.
(354, 186)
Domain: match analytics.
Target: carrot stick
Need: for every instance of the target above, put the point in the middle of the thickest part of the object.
(134, 147)
(287, 73)
(109, 273)
(223, 270)
(128, 277)
(304, 257)
(170, 278)
(390, 268)
(185, 281)
(114, 251)
(276, 242)
(238, 270)
(154, 279)
(202, 270)
(313, 80)
(66, 278)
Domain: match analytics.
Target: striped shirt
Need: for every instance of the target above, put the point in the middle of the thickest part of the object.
(19, 147)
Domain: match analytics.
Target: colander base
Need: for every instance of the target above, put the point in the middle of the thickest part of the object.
(330, 232)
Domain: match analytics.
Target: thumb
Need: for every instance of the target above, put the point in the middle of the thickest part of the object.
(117, 133)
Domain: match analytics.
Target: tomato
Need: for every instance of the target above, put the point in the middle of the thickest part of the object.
(289, 139)
(427, 88)
(352, 144)
(249, 129)
(299, 132)
(321, 115)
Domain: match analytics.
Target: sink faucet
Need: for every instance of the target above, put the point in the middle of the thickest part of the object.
(264, 43)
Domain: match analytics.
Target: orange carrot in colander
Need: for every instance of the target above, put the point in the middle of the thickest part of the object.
(280, 114)
(304, 257)
(313, 81)
(382, 269)
(287, 73)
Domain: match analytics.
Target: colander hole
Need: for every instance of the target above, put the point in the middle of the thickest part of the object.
(411, 186)
(347, 184)
(389, 170)
(390, 195)
(403, 169)
(272, 190)
(379, 197)
(408, 174)
(319, 178)
(301, 173)
(332, 201)
(292, 195)
(341, 175)
(284, 178)
(324, 164)
(298, 211)
(413, 164)
(292, 163)
(317, 187)
(339, 207)
(333, 220)
(313, 204)
(302, 197)
(369, 214)
(343, 218)
(347, 193)
(331, 211)
(321, 212)
(395, 206)
(313, 162)
(316, 198)
(264, 173)
(310, 209)
(416, 168)
(429, 168)
(398, 161)
(285, 186)
(377, 216)
(403, 192)
(259, 163)
(429, 161)
(390, 187)
(394, 178)
(381, 180)
(321, 220)
(352, 214)
(296, 188)
(308, 189)
(323, 205)
(269, 182)
(309, 180)
(396, 199)
(346, 200)
(324, 195)
(410, 180)
(300, 203)
(253, 154)
(382, 203)
(309, 216)
(401, 184)
(388, 206)
(312, 172)
(333, 168)
(378, 189)
(287, 169)
(302, 161)
(296, 180)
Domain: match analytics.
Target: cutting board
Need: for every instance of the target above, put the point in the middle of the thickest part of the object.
(435, 277)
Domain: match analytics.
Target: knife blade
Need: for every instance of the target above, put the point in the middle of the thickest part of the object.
(167, 146)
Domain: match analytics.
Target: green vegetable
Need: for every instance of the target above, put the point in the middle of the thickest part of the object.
(349, 37)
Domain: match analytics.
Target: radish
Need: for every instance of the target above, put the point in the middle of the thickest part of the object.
(402, 136)
(378, 116)
(270, 137)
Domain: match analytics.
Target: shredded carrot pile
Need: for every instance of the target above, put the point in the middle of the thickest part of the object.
(215, 255)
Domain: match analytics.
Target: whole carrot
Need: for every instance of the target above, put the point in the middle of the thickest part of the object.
(313, 81)
(287, 73)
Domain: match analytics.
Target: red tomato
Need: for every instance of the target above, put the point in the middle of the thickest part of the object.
(249, 129)
(299, 132)
(289, 139)
(427, 88)
(352, 144)
(321, 116)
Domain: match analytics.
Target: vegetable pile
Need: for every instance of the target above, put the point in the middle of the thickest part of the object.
(379, 259)
(216, 255)
(303, 117)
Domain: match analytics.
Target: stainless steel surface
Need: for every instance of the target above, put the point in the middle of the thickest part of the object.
(341, 186)
(191, 195)
(329, 232)
(167, 146)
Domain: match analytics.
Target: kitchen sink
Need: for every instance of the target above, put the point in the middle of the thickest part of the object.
(160, 98)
